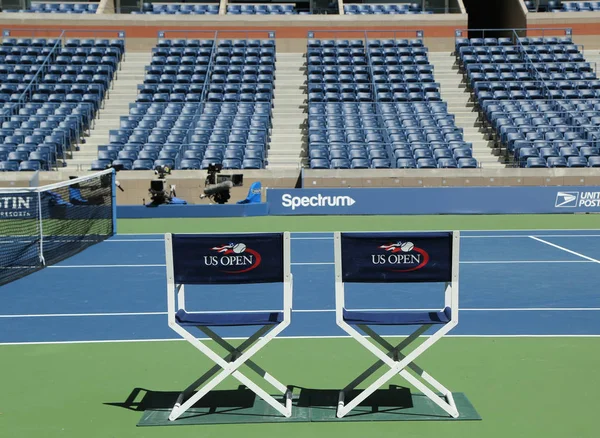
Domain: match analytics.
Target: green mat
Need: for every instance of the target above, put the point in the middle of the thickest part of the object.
(312, 405)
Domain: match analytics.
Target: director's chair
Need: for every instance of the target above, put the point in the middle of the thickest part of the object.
(234, 259)
(401, 258)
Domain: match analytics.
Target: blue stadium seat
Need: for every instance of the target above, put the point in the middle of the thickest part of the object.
(594, 161)
(9, 166)
(143, 165)
(125, 164)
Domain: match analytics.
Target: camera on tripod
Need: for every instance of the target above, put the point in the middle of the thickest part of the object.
(217, 187)
(158, 193)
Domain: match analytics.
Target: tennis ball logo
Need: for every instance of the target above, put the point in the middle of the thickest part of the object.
(407, 246)
(239, 248)
(234, 258)
(401, 257)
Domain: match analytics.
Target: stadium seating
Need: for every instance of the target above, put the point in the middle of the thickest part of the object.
(385, 9)
(266, 9)
(538, 96)
(49, 111)
(178, 9)
(562, 6)
(378, 107)
(558, 6)
(61, 8)
(200, 104)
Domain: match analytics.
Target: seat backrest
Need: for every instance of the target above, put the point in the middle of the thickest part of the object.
(228, 258)
(393, 257)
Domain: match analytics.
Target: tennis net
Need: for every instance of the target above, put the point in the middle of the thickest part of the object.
(43, 225)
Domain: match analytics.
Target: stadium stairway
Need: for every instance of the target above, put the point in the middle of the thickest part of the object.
(453, 92)
(117, 105)
(288, 138)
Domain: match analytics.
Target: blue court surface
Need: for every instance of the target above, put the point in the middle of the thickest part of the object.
(512, 283)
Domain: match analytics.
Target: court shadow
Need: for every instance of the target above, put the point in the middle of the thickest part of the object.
(141, 399)
(395, 398)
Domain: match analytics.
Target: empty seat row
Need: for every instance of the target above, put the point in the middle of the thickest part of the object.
(539, 162)
(178, 9)
(506, 41)
(261, 9)
(60, 8)
(392, 9)
(167, 42)
(564, 6)
(387, 43)
(400, 163)
(206, 51)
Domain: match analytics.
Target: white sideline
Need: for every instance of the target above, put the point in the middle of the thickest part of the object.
(121, 341)
(474, 262)
(488, 309)
(501, 236)
(565, 249)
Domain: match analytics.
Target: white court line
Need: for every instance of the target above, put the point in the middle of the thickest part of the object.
(512, 236)
(283, 337)
(507, 309)
(75, 315)
(134, 240)
(105, 266)
(498, 236)
(565, 249)
(477, 309)
(312, 263)
(312, 238)
(485, 262)
(524, 230)
(475, 262)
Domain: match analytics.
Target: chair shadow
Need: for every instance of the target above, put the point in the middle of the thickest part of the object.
(238, 401)
(393, 401)
(142, 399)
(241, 402)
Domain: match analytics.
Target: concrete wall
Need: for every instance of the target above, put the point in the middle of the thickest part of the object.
(451, 177)
(142, 31)
(190, 184)
(514, 14)
(585, 25)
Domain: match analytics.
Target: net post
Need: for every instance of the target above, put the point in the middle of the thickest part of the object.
(41, 222)
(114, 201)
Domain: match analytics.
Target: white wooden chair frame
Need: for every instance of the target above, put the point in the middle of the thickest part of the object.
(238, 356)
(393, 357)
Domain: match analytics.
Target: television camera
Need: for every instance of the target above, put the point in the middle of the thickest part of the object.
(158, 193)
(217, 187)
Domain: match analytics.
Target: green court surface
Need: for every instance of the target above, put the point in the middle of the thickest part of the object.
(521, 386)
(360, 223)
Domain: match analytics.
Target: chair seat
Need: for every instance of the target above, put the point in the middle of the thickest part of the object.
(397, 317)
(228, 319)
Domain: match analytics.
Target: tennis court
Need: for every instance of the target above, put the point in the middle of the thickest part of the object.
(529, 330)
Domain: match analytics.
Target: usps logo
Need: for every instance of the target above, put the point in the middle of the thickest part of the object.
(401, 257)
(566, 199)
(233, 258)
